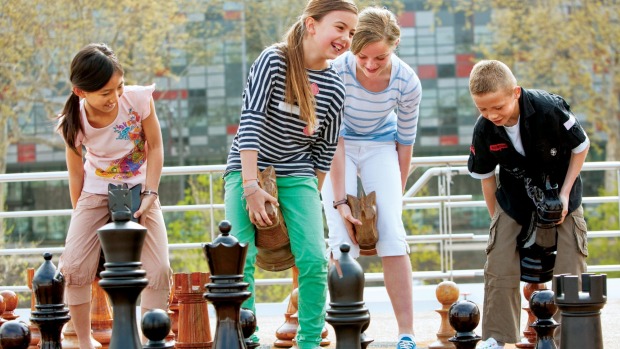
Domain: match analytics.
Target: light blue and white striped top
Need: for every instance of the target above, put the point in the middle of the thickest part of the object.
(389, 115)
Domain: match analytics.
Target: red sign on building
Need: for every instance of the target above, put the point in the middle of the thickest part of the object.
(26, 153)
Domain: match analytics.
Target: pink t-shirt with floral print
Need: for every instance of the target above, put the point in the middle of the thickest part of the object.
(117, 153)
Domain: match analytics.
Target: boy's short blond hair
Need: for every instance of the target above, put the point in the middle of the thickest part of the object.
(489, 76)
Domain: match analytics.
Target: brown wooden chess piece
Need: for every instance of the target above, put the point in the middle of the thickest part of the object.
(35, 334)
(10, 301)
(173, 313)
(272, 242)
(447, 292)
(364, 208)
(2, 308)
(100, 315)
(529, 340)
(194, 328)
(287, 331)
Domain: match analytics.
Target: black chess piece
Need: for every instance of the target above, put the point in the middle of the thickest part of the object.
(155, 327)
(14, 334)
(247, 319)
(581, 309)
(226, 291)
(123, 279)
(347, 313)
(50, 315)
(464, 317)
(543, 306)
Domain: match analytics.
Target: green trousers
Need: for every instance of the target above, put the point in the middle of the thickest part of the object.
(302, 211)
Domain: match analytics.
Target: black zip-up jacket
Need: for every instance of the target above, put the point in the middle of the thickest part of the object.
(549, 132)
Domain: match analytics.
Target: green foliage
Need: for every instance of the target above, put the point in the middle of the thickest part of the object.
(604, 251)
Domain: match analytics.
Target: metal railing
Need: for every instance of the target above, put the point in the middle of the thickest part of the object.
(442, 168)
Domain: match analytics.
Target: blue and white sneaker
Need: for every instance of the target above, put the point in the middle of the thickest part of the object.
(406, 343)
(490, 343)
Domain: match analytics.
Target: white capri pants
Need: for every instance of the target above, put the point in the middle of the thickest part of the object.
(376, 163)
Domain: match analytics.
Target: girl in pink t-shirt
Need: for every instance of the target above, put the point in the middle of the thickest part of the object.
(118, 127)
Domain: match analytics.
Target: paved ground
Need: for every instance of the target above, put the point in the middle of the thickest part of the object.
(383, 325)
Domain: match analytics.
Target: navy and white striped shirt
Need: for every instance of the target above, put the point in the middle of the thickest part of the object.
(389, 115)
(272, 127)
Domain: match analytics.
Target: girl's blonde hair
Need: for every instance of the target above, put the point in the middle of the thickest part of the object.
(375, 24)
(91, 69)
(489, 76)
(297, 82)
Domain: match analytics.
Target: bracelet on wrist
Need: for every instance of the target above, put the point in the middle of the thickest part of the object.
(340, 202)
(150, 192)
(251, 185)
(249, 180)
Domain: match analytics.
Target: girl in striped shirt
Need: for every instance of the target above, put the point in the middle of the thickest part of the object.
(291, 114)
(376, 144)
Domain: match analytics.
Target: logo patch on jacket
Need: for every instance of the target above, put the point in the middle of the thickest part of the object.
(498, 147)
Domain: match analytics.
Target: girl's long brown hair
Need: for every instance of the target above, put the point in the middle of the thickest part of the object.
(91, 69)
(297, 83)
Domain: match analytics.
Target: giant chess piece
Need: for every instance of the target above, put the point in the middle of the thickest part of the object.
(10, 302)
(347, 313)
(529, 340)
(35, 334)
(123, 279)
(226, 259)
(100, 315)
(156, 326)
(194, 330)
(581, 311)
(464, 317)
(247, 320)
(50, 315)
(447, 293)
(543, 307)
(14, 335)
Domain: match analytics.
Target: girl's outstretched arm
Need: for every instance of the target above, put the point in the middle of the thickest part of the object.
(155, 160)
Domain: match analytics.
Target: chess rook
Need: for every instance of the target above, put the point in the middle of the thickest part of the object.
(581, 309)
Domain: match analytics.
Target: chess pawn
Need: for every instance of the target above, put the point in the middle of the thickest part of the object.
(155, 327)
(464, 317)
(100, 315)
(10, 302)
(287, 331)
(35, 334)
(529, 340)
(247, 321)
(2, 309)
(543, 306)
(447, 293)
(14, 335)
